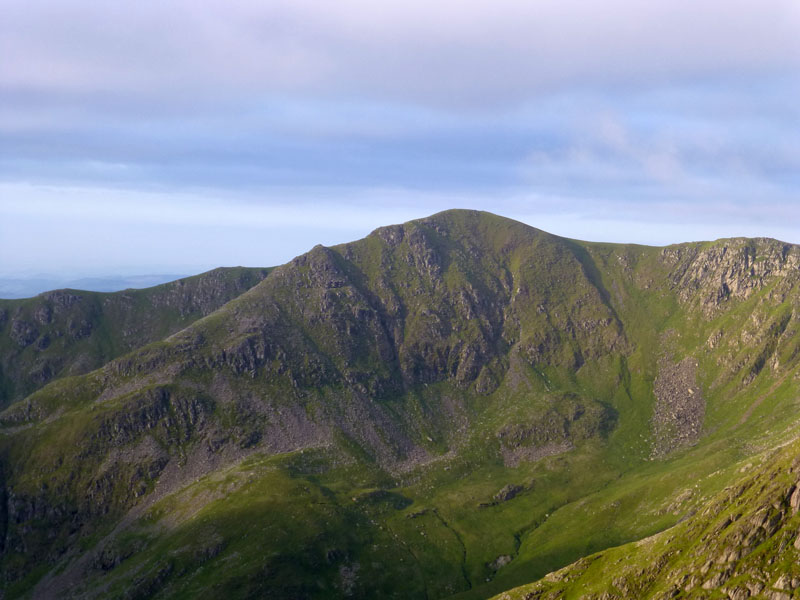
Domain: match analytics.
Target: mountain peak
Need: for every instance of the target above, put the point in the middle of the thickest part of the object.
(453, 405)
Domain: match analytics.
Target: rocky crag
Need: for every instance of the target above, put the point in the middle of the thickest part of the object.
(449, 407)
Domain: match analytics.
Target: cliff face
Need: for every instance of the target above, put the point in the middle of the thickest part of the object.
(397, 382)
(71, 332)
(707, 275)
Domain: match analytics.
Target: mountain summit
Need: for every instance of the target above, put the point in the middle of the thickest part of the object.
(451, 407)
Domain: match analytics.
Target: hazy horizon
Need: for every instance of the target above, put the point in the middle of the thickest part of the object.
(22, 283)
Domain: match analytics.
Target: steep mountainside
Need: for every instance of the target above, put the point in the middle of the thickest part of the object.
(743, 543)
(71, 332)
(450, 407)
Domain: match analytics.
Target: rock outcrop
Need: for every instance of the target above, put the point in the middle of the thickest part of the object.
(331, 429)
(679, 408)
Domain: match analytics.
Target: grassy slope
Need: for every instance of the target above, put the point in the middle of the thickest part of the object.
(654, 496)
(741, 541)
(314, 523)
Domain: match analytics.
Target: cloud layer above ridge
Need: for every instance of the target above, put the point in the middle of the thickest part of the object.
(613, 116)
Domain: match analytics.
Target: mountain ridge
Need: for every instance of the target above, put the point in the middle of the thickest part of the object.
(455, 384)
(36, 333)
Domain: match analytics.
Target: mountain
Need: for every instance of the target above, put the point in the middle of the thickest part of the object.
(452, 407)
(71, 332)
(24, 286)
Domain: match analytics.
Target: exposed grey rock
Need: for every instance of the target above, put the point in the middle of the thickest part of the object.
(500, 562)
(679, 410)
(508, 492)
(23, 332)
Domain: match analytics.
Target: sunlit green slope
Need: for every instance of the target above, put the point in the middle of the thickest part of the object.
(450, 407)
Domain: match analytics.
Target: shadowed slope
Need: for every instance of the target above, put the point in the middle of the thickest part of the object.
(462, 387)
(70, 332)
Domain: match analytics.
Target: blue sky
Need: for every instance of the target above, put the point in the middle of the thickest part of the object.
(175, 137)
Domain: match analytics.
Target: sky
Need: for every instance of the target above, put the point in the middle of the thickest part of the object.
(174, 137)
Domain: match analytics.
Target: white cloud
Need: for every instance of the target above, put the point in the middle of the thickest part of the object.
(444, 52)
(232, 129)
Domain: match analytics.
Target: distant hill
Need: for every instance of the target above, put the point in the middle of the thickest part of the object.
(449, 408)
(26, 287)
(72, 331)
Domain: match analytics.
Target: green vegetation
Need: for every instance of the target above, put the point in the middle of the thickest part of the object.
(741, 543)
(448, 408)
(70, 332)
